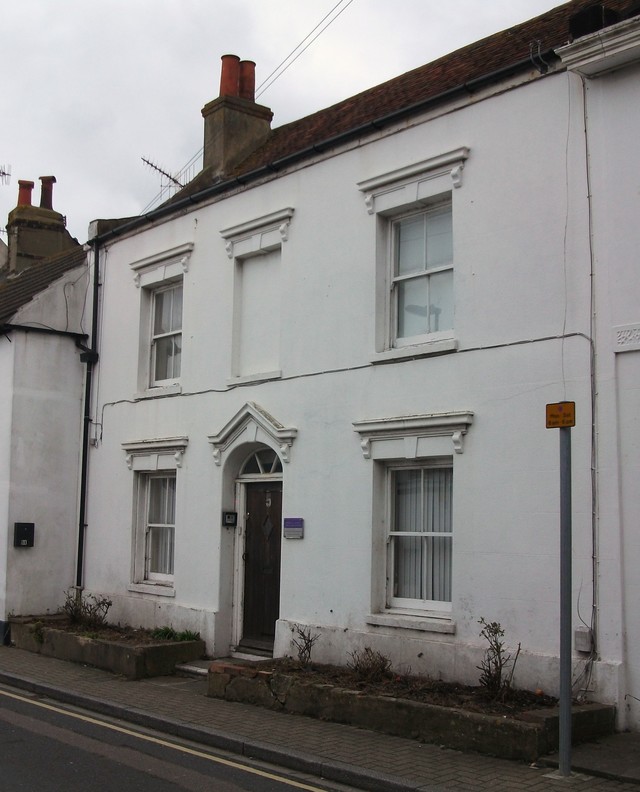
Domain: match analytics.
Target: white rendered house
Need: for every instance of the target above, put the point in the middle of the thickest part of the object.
(324, 367)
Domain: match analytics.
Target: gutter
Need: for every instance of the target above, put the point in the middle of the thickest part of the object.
(539, 60)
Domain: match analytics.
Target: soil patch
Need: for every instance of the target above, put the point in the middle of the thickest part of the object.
(422, 689)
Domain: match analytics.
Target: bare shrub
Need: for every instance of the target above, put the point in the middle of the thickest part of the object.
(88, 610)
(497, 667)
(369, 665)
(304, 641)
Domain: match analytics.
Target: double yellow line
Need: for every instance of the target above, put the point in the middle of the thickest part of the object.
(165, 743)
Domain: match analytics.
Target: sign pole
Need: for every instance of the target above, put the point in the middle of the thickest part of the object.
(562, 416)
(565, 602)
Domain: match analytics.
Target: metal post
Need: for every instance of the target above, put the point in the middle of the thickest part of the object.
(565, 601)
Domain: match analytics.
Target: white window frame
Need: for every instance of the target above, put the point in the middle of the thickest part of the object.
(152, 275)
(156, 337)
(147, 527)
(392, 601)
(410, 189)
(408, 441)
(426, 274)
(149, 459)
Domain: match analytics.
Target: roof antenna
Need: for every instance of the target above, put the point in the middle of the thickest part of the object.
(5, 174)
(162, 172)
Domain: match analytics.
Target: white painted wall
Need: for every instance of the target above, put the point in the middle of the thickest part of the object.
(613, 121)
(522, 281)
(39, 467)
(6, 409)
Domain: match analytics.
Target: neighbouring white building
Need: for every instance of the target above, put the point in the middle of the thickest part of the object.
(44, 329)
(324, 366)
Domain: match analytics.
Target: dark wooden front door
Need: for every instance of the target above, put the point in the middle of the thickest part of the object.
(263, 530)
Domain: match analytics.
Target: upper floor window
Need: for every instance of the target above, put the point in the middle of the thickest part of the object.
(160, 278)
(414, 208)
(166, 337)
(422, 277)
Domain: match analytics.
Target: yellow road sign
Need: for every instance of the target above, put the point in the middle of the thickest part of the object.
(561, 414)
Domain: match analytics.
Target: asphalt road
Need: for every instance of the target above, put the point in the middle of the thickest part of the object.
(46, 747)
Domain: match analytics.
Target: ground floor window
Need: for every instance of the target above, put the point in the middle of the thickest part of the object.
(160, 510)
(420, 542)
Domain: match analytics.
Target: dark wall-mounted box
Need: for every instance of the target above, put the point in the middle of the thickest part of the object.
(23, 534)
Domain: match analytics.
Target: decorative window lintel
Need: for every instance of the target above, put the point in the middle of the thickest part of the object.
(400, 437)
(414, 183)
(258, 236)
(164, 266)
(163, 453)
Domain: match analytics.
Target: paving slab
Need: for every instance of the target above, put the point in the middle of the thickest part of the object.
(366, 760)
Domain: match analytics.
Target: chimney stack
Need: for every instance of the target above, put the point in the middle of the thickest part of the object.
(24, 192)
(35, 232)
(46, 191)
(230, 75)
(248, 80)
(234, 125)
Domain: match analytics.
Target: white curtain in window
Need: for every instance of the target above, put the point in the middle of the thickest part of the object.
(160, 535)
(422, 538)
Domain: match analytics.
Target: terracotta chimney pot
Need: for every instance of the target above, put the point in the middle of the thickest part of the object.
(230, 75)
(46, 192)
(24, 192)
(248, 80)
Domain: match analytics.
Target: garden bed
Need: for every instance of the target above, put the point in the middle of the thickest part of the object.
(454, 716)
(134, 653)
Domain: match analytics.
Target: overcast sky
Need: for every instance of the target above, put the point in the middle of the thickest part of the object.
(91, 86)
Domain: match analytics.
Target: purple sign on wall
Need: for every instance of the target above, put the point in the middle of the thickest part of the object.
(293, 527)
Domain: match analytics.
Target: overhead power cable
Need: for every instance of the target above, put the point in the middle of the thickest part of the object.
(289, 60)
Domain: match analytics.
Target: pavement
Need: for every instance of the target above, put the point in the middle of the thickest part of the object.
(177, 705)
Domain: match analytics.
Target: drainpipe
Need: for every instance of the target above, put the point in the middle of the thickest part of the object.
(90, 357)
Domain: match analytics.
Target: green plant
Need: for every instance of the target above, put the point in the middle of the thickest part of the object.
(304, 641)
(188, 635)
(89, 610)
(497, 667)
(167, 633)
(369, 665)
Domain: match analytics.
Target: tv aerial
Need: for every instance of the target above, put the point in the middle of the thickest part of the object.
(5, 174)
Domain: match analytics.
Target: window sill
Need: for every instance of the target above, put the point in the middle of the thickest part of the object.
(158, 589)
(248, 378)
(413, 622)
(441, 347)
(161, 390)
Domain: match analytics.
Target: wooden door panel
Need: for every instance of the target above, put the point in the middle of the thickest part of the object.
(263, 530)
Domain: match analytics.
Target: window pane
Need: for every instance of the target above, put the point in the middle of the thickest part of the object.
(408, 563)
(163, 358)
(408, 511)
(438, 568)
(161, 550)
(410, 245)
(162, 499)
(413, 300)
(441, 301)
(168, 357)
(176, 358)
(168, 311)
(176, 308)
(162, 314)
(437, 500)
(439, 238)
